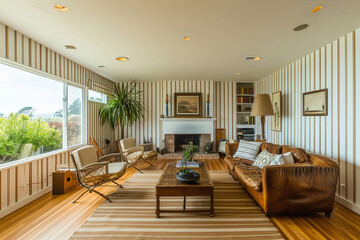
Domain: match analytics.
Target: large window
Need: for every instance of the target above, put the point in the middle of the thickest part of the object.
(97, 97)
(32, 115)
(74, 116)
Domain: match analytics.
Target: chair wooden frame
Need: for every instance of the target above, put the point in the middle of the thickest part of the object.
(131, 150)
(101, 165)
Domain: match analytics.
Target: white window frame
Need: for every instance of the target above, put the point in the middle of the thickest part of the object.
(84, 111)
(104, 101)
(83, 119)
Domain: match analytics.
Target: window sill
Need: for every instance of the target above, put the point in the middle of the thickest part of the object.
(16, 163)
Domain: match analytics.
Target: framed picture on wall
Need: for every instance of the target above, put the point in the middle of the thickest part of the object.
(276, 119)
(187, 105)
(315, 103)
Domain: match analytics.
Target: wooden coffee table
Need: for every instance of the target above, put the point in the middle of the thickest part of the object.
(168, 185)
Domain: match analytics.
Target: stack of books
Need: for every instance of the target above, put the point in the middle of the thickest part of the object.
(188, 164)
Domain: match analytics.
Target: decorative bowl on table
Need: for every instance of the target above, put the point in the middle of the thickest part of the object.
(188, 177)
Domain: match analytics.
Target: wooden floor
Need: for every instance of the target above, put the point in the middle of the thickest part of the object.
(56, 217)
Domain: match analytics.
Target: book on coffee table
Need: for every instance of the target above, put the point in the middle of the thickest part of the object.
(188, 164)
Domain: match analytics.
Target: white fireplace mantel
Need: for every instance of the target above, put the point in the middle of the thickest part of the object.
(188, 126)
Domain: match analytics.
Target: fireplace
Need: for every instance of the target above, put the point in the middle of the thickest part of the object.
(181, 141)
(178, 142)
(192, 128)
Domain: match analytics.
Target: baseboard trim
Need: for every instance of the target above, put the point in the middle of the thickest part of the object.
(346, 203)
(25, 201)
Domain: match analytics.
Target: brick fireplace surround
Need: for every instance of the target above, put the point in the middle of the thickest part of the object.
(171, 145)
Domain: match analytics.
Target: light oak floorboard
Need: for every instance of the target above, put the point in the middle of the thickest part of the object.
(56, 217)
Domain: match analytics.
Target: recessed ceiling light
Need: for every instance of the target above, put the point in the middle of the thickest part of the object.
(122, 59)
(253, 58)
(317, 9)
(187, 38)
(61, 8)
(101, 66)
(237, 74)
(301, 27)
(70, 47)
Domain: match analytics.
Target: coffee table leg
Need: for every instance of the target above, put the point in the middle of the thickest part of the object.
(212, 211)
(157, 212)
(184, 205)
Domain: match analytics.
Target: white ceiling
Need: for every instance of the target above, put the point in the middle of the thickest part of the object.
(150, 33)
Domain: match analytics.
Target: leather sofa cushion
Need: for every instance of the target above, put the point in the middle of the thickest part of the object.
(249, 175)
(231, 162)
(271, 148)
(298, 153)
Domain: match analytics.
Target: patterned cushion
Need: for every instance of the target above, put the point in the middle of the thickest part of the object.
(265, 158)
(286, 158)
(248, 150)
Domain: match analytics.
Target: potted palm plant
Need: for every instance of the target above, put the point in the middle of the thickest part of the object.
(124, 107)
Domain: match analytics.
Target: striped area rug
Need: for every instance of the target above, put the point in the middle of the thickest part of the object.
(131, 215)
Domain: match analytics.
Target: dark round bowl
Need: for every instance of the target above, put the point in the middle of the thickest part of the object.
(188, 177)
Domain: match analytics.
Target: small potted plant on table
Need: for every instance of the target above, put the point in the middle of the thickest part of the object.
(185, 174)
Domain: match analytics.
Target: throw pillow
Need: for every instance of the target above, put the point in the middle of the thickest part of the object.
(265, 159)
(271, 148)
(298, 153)
(222, 145)
(248, 150)
(286, 158)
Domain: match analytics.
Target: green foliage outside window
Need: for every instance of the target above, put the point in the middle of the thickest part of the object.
(19, 129)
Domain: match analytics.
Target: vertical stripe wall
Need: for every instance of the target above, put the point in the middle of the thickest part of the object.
(222, 106)
(25, 182)
(336, 67)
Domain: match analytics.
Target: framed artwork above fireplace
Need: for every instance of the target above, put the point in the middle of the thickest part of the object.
(188, 105)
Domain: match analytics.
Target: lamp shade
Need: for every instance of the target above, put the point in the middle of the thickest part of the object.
(262, 106)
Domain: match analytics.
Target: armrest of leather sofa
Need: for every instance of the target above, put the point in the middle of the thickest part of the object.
(322, 161)
(230, 149)
(299, 188)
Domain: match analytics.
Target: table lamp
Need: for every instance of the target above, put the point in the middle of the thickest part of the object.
(262, 107)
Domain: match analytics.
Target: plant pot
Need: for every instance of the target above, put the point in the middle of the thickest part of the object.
(188, 177)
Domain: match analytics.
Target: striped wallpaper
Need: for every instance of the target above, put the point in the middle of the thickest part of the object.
(25, 182)
(336, 67)
(222, 106)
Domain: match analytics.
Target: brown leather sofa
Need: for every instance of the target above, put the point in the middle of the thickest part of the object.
(307, 186)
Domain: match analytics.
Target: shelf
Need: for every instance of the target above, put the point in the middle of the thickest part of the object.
(245, 125)
(245, 95)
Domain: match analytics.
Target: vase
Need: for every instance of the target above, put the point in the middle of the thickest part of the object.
(208, 148)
